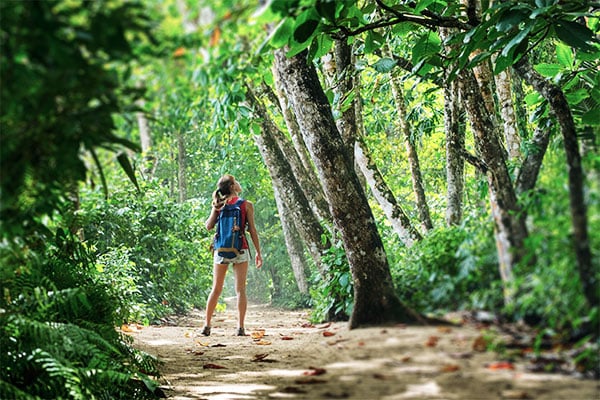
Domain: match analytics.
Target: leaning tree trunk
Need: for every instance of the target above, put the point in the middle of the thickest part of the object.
(384, 196)
(536, 149)
(411, 153)
(293, 241)
(375, 301)
(306, 178)
(559, 105)
(344, 69)
(510, 227)
(299, 210)
(509, 116)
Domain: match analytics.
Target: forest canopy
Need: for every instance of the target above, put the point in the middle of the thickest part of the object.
(405, 159)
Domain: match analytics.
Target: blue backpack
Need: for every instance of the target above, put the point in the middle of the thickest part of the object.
(229, 236)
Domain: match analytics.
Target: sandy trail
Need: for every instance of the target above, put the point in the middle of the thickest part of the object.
(285, 357)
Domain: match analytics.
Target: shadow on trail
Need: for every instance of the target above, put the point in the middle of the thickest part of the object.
(284, 356)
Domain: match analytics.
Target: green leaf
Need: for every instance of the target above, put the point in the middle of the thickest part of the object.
(518, 39)
(592, 117)
(577, 96)
(281, 35)
(327, 9)
(574, 34)
(384, 65)
(548, 70)
(126, 165)
(502, 63)
(305, 30)
(564, 55)
(510, 19)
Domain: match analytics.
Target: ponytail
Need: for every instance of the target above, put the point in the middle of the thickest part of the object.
(223, 191)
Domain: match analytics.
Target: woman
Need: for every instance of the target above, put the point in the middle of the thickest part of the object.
(228, 190)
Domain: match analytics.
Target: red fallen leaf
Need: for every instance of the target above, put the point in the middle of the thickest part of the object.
(213, 366)
(287, 338)
(449, 368)
(328, 333)
(314, 371)
(500, 365)
(361, 343)
(432, 341)
(307, 325)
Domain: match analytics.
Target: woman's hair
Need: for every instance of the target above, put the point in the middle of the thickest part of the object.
(223, 190)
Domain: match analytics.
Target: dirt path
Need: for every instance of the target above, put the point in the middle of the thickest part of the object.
(294, 360)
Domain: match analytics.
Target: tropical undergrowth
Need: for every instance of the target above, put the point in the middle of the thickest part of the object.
(57, 323)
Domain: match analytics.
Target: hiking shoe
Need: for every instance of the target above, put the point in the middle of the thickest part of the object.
(206, 331)
(241, 332)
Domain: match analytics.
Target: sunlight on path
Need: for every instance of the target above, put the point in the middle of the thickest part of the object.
(285, 357)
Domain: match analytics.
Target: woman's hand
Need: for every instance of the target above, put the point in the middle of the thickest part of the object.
(258, 260)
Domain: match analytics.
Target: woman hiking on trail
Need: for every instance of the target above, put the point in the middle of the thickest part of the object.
(226, 201)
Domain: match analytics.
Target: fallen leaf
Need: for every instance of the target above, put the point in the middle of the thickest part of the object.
(361, 343)
(500, 365)
(194, 352)
(514, 394)
(307, 325)
(187, 334)
(480, 344)
(309, 381)
(199, 343)
(287, 338)
(213, 366)
(444, 329)
(450, 368)
(328, 333)
(380, 376)
(260, 357)
(126, 328)
(314, 371)
(406, 359)
(262, 342)
(323, 326)
(258, 334)
(432, 341)
(463, 355)
(218, 345)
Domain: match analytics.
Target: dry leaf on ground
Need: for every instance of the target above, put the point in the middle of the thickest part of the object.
(432, 341)
(213, 366)
(314, 371)
(500, 365)
(328, 333)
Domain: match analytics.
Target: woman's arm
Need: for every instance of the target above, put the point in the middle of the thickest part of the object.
(253, 233)
(212, 219)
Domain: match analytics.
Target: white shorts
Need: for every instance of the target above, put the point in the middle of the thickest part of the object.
(240, 258)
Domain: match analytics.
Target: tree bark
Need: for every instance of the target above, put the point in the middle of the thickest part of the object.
(455, 146)
(560, 107)
(293, 241)
(149, 160)
(346, 123)
(298, 209)
(536, 149)
(511, 230)
(375, 301)
(509, 116)
(384, 196)
(307, 178)
(411, 153)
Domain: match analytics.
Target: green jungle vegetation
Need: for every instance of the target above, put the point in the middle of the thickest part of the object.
(118, 117)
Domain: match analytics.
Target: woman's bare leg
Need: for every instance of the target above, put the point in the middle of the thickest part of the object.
(241, 271)
(219, 272)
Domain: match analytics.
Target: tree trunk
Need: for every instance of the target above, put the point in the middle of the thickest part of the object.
(293, 241)
(375, 301)
(298, 208)
(510, 227)
(384, 196)
(509, 117)
(411, 153)
(181, 166)
(536, 149)
(346, 123)
(559, 105)
(455, 146)
(149, 160)
(306, 178)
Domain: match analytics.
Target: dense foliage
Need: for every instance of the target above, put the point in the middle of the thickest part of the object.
(78, 260)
